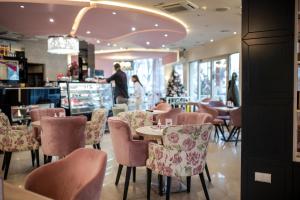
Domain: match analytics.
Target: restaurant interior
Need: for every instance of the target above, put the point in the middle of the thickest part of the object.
(136, 100)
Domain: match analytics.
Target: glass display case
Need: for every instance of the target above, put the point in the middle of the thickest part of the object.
(83, 98)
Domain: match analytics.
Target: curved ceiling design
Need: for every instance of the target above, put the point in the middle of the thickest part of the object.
(100, 22)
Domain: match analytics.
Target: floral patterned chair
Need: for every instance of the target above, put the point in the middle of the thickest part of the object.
(16, 139)
(136, 119)
(183, 154)
(95, 128)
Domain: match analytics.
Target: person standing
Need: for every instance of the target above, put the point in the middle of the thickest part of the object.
(121, 87)
(138, 92)
(233, 92)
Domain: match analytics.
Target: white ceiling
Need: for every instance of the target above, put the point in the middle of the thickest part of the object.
(204, 25)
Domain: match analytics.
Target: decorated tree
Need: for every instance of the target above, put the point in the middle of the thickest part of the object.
(175, 87)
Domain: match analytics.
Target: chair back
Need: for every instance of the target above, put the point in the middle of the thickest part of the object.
(4, 124)
(98, 120)
(136, 119)
(163, 106)
(120, 137)
(193, 118)
(62, 135)
(207, 109)
(190, 141)
(236, 117)
(38, 113)
(172, 114)
(79, 176)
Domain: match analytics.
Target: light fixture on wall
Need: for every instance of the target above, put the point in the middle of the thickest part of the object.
(63, 45)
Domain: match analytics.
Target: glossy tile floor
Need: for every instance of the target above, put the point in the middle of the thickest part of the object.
(223, 161)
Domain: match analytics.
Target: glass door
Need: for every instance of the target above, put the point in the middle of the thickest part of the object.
(204, 80)
(193, 80)
(219, 79)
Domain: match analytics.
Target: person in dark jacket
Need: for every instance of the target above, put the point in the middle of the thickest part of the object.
(233, 92)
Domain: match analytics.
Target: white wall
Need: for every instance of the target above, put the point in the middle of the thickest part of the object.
(36, 52)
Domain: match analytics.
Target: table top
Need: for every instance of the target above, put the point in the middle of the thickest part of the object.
(12, 192)
(225, 108)
(150, 131)
(36, 124)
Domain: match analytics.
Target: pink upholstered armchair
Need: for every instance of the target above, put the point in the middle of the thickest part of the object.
(15, 140)
(193, 118)
(128, 152)
(171, 114)
(95, 128)
(163, 106)
(183, 154)
(136, 119)
(79, 176)
(37, 114)
(62, 135)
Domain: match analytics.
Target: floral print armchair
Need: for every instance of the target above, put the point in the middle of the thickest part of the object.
(15, 140)
(183, 153)
(95, 128)
(136, 119)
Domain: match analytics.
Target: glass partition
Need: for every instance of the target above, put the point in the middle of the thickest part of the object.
(219, 79)
(204, 80)
(193, 78)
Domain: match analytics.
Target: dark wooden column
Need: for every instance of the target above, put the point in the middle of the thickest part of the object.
(267, 82)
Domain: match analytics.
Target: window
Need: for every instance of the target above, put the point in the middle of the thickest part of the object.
(179, 69)
(205, 80)
(234, 60)
(193, 78)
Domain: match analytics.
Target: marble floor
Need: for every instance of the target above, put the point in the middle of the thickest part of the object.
(223, 161)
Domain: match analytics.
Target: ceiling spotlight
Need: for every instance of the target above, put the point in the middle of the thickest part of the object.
(21, 6)
(115, 45)
(133, 28)
(156, 25)
(234, 33)
(166, 35)
(108, 44)
(88, 32)
(121, 48)
(148, 43)
(98, 41)
(204, 7)
(114, 13)
(51, 20)
(211, 40)
(163, 46)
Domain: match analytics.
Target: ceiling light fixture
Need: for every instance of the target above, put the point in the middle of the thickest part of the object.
(98, 41)
(21, 6)
(234, 33)
(63, 45)
(204, 7)
(88, 32)
(156, 25)
(211, 40)
(51, 20)
(114, 13)
(166, 35)
(115, 45)
(133, 29)
(163, 46)
(108, 44)
(148, 43)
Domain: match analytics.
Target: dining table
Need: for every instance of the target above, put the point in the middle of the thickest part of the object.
(12, 192)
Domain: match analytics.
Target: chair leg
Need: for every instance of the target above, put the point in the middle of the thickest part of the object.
(3, 162)
(127, 180)
(7, 162)
(222, 132)
(168, 192)
(204, 186)
(98, 146)
(32, 157)
(134, 174)
(160, 184)
(49, 160)
(238, 135)
(118, 174)
(207, 172)
(37, 156)
(45, 159)
(94, 146)
(188, 184)
(216, 132)
(149, 176)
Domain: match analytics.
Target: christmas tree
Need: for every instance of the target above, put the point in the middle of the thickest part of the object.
(175, 87)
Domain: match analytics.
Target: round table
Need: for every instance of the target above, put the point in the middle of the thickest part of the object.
(150, 132)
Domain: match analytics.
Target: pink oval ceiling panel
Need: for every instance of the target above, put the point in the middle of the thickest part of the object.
(33, 18)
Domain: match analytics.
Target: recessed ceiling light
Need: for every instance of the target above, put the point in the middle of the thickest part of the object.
(115, 45)
(133, 28)
(88, 32)
(21, 6)
(114, 13)
(234, 33)
(166, 35)
(163, 46)
(148, 43)
(108, 44)
(211, 40)
(121, 48)
(98, 41)
(156, 25)
(204, 7)
(51, 20)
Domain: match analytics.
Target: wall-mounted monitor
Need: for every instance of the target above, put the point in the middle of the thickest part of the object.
(9, 70)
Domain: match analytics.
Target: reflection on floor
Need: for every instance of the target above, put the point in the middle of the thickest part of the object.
(223, 161)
